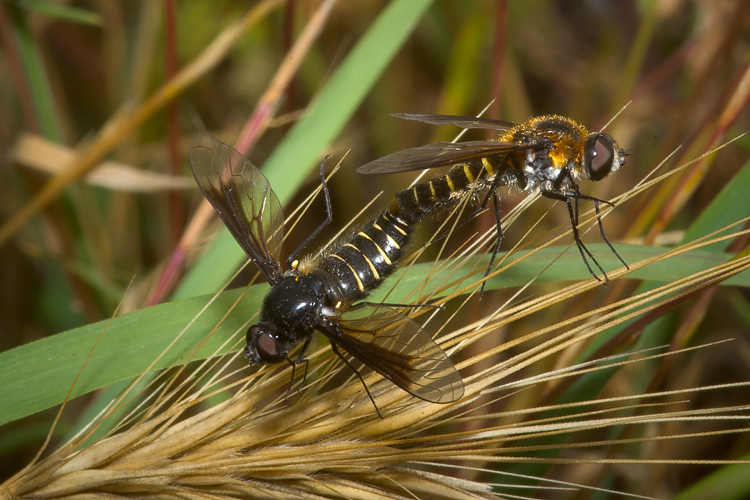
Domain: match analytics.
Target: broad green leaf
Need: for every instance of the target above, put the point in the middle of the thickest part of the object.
(39, 375)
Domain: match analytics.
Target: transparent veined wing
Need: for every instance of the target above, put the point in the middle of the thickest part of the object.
(439, 154)
(244, 200)
(458, 121)
(400, 350)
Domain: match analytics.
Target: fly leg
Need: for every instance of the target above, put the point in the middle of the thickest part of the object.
(329, 216)
(498, 241)
(300, 359)
(491, 193)
(517, 171)
(510, 159)
(599, 222)
(463, 221)
(391, 304)
(573, 214)
(335, 349)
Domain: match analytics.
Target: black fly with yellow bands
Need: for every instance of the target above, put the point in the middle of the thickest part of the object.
(546, 153)
(321, 295)
(370, 255)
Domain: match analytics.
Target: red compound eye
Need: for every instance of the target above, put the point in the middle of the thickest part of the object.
(598, 156)
(268, 349)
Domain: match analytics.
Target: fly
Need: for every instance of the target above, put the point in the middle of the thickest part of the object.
(546, 153)
(323, 294)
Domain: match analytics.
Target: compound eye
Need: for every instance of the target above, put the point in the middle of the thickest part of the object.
(598, 156)
(268, 348)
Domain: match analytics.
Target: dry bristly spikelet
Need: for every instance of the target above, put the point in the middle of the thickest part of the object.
(328, 441)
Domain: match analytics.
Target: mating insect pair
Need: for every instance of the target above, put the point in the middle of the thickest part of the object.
(547, 153)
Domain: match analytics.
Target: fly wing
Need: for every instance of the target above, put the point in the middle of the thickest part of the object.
(400, 350)
(438, 154)
(244, 200)
(458, 121)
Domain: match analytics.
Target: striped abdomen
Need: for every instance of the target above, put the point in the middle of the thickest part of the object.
(443, 191)
(370, 256)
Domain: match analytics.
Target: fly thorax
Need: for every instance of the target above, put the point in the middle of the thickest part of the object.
(294, 304)
(537, 170)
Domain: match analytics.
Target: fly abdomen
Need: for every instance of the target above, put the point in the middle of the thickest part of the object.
(428, 198)
(370, 256)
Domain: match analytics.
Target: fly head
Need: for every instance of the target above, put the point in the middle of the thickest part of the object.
(601, 156)
(263, 344)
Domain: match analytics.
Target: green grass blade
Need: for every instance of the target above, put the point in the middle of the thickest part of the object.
(728, 483)
(730, 205)
(64, 12)
(38, 375)
(35, 75)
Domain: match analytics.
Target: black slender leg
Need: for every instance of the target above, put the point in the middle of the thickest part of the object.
(304, 377)
(329, 216)
(596, 201)
(573, 214)
(291, 379)
(336, 350)
(588, 198)
(566, 196)
(498, 241)
(300, 359)
(491, 193)
(601, 231)
(391, 304)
